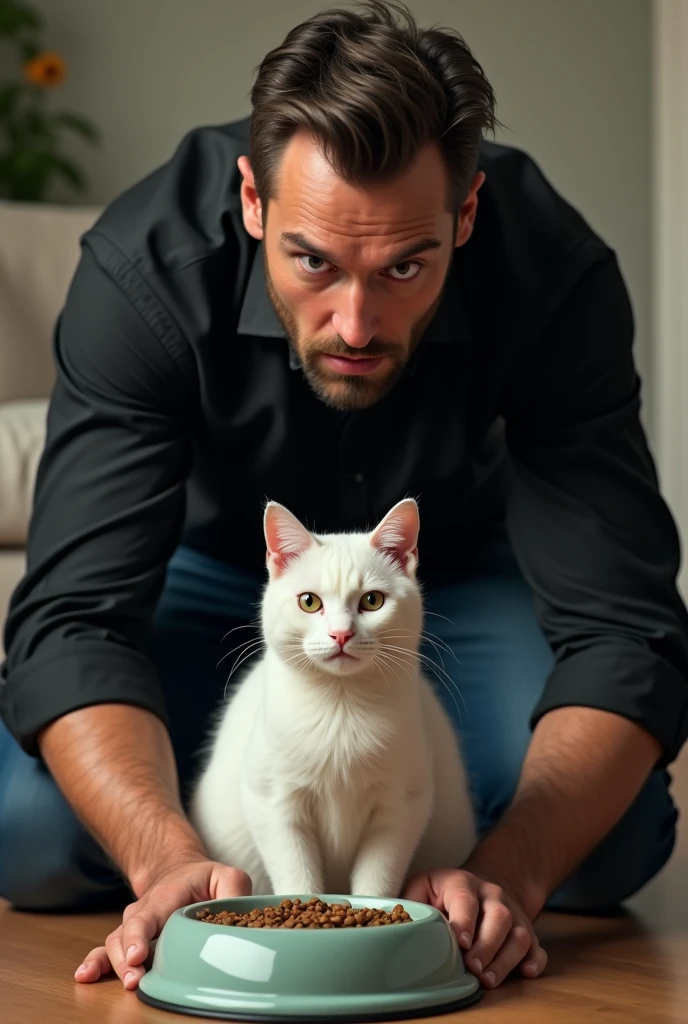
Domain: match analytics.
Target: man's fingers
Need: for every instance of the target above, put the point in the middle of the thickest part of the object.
(417, 889)
(94, 966)
(138, 931)
(491, 933)
(129, 976)
(228, 882)
(511, 954)
(535, 962)
(463, 907)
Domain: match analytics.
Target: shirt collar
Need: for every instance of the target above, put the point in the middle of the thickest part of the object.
(449, 325)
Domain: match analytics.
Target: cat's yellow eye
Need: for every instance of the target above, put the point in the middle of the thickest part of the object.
(372, 601)
(309, 602)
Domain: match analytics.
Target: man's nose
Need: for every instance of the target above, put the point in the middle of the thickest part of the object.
(355, 321)
(341, 636)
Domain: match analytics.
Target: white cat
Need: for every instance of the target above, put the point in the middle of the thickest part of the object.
(334, 767)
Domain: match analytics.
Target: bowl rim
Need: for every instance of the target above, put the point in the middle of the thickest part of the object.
(427, 910)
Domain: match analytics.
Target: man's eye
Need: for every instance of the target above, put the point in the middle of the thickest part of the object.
(407, 271)
(315, 265)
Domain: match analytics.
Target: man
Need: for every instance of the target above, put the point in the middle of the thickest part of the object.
(344, 300)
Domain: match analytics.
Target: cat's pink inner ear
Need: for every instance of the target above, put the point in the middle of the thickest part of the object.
(397, 534)
(285, 536)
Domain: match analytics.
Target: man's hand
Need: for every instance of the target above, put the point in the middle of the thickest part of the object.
(127, 948)
(488, 922)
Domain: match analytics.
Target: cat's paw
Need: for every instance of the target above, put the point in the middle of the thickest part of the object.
(298, 886)
(374, 887)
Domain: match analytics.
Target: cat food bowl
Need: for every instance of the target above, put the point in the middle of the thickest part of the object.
(414, 969)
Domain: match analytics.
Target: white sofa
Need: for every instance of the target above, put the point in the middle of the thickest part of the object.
(39, 250)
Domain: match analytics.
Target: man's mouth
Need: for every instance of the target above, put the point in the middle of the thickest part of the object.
(352, 366)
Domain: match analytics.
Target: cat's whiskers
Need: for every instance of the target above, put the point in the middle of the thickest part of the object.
(438, 616)
(425, 659)
(391, 635)
(435, 668)
(396, 660)
(241, 658)
(428, 659)
(381, 667)
(299, 661)
(254, 624)
(431, 638)
(392, 660)
(401, 636)
(427, 634)
(246, 643)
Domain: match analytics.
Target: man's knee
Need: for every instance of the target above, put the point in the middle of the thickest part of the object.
(634, 851)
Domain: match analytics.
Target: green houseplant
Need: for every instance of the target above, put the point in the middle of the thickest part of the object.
(31, 158)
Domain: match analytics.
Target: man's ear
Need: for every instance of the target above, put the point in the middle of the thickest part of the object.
(467, 214)
(250, 200)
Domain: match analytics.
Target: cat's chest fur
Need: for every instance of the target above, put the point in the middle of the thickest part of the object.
(331, 741)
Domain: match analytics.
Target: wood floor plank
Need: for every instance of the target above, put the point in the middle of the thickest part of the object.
(627, 969)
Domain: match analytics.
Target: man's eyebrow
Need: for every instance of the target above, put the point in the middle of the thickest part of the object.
(423, 245)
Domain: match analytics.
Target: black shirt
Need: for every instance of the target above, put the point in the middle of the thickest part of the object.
(177, 410)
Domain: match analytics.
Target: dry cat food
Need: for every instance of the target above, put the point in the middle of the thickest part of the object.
(311, 914)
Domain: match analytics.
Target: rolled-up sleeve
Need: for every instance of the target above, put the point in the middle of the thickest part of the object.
(588, 524)
(108, 506)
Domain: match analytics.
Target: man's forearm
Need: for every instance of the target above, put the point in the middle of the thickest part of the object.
(583, 770)
(115, 765)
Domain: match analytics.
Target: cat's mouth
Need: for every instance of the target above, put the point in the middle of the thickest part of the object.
(341, 654)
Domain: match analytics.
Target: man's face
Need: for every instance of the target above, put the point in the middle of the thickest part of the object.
(355, 275)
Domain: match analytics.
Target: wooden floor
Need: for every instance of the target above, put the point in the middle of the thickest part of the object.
(632, 969)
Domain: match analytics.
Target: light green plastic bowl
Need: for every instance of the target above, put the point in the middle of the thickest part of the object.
(350, 974)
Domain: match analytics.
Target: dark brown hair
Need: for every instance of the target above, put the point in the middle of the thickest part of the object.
(373, 88)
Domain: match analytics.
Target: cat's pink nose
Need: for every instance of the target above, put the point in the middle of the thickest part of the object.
(341, 636)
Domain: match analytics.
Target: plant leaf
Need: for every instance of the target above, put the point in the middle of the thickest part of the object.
(15, 17)
(27, 172)
(9, 95)
(70, 173)
(29, 51)
(79, 125)
(38, 126)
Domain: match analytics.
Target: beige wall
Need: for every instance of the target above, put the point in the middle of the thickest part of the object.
(572, 79)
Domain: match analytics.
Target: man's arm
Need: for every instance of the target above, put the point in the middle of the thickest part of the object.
(107, 511)
(115, 765)
(78, 686)
(107, 514)
(583, 769)
(599, 547)
(588, 524)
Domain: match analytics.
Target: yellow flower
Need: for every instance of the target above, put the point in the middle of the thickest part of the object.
(46, 70)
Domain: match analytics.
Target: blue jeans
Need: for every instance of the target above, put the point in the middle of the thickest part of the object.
(500, 661)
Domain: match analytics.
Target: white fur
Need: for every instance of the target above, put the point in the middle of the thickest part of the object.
(336, 776)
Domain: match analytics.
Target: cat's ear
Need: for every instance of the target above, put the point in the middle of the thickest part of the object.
(397, 535)
(285, 537)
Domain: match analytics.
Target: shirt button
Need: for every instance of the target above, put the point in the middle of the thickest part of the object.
(358, 477)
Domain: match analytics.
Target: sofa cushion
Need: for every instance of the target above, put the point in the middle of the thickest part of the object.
(39, 251)
(12, 567)
(22, 437)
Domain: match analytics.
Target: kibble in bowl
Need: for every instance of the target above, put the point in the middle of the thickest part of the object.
(313, 913)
